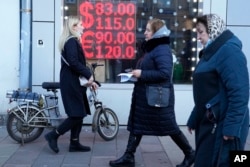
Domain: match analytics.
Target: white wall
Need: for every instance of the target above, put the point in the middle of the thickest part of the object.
(9, 49)
(239, 22)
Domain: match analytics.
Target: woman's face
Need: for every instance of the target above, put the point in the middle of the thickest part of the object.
(202, 34)
(148, 32)
(79, 28)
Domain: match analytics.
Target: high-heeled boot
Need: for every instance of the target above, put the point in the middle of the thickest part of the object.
(184, 145)
(51, 138)
(127, 159)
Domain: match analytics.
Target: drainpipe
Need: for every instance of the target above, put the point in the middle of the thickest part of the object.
(25, 42)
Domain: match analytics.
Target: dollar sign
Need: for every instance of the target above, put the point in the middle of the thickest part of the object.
(85, 11)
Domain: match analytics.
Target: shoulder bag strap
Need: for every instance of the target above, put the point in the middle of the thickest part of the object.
(65, 61)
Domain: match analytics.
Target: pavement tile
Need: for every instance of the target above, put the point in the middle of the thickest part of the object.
(153, 151)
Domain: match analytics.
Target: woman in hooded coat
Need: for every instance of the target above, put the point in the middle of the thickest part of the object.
(220, 116)
(154, 68)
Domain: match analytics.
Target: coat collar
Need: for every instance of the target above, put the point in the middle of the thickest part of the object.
(208, 52)
(154, 42)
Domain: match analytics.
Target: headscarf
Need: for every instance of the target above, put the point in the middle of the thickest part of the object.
(215, 25)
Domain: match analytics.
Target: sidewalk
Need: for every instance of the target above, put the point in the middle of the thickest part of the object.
(152, 152)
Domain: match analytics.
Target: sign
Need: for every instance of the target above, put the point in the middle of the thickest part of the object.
(110, 29)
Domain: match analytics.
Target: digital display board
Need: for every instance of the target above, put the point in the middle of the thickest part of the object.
(110, 29)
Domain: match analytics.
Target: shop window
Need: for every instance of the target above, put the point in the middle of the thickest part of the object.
(115, 32)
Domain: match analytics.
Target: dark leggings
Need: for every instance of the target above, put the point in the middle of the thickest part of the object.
(71, 123)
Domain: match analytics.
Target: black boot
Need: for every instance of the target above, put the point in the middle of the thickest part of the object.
(128, 159)
(184, 145)
(75, 146)
(52, 137)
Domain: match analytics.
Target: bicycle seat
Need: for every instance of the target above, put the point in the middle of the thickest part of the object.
(51, 85)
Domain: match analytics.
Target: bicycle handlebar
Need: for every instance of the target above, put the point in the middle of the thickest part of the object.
(94, 65)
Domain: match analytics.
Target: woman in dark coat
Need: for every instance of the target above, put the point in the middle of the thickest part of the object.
(155, 68)
(220, 117)
(73, 64)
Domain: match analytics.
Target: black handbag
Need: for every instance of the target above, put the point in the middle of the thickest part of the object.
(157, 96)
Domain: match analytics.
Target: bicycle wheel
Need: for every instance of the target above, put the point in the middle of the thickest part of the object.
(107, 124)
(22, 132)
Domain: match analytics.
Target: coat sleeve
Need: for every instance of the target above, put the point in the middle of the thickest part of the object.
(191, 123)
(72, 53)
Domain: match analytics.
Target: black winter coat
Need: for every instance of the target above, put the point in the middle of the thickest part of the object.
(73, 95)
(156, 68)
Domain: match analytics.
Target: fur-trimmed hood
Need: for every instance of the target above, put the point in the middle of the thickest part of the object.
(154, 42)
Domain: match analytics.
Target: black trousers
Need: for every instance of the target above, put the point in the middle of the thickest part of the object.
(74, 124)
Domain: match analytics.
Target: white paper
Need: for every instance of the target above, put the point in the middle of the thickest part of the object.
(83, 81)
(127, 77)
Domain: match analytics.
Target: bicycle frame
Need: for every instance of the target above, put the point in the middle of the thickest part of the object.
(34, 112)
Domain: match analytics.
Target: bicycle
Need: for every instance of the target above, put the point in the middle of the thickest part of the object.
(34, 112)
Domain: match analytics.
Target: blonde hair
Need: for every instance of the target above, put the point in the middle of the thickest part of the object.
(68, 30)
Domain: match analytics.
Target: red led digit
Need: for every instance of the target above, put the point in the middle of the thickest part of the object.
(130, 52)
(109, 8)
(99, 37)
(99, 8)
(117, 52)
(121, 9)
(108, 25)
(108, 50)
(121, 37)
(108, 38)
(99, 24)
(130, 38)
(99, 53)
(130, 23)
(130, 9)
(117, 23)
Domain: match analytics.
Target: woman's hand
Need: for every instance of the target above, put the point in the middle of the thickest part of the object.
(228, 137)
(190, 130)
(90, 81)
(94, 86)
(136, 73)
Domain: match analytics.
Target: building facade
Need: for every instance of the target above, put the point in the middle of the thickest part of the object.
(31, 28)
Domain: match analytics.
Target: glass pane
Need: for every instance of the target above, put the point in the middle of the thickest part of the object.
(116, 33)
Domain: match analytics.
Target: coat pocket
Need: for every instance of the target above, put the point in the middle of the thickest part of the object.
(157, 96)
(212, 112)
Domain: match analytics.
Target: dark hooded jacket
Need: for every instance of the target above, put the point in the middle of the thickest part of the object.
(221, 94)
(156, 66)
